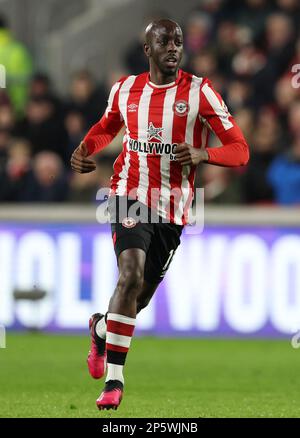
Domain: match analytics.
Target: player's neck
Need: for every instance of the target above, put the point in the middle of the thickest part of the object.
(158, 78)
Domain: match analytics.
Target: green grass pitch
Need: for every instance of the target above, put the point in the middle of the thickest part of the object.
(46, 376)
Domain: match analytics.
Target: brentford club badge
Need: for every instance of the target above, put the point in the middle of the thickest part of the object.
(129, 222)
(181, 108)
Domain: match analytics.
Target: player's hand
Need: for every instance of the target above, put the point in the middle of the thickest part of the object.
(186, 154)
(79, 161)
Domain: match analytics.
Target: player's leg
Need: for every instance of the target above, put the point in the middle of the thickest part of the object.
(122, 310)
(124, 237)
(97, 324)
(132, 239)
(120, 323)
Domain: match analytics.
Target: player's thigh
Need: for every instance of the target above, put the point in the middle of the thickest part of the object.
(163, 246)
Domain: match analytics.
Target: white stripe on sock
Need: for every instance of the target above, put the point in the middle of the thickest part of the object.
(120, 340)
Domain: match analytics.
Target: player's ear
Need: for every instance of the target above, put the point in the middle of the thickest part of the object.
(147, 50)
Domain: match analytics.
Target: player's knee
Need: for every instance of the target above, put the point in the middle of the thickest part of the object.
(130, 282)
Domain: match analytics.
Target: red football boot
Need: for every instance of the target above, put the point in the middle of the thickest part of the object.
(97, 355)
(111, 396)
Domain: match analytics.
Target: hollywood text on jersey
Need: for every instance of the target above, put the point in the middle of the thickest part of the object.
(153, 148)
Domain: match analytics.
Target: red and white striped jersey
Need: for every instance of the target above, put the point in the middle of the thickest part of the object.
(157, 118)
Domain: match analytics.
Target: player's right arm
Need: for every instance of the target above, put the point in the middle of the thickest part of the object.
(100, 135)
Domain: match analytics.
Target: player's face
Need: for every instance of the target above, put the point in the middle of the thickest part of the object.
(166, 49)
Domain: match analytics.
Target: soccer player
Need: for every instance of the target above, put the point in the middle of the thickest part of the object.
(167, 114)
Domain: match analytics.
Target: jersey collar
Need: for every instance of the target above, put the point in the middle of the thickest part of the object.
(170, 85)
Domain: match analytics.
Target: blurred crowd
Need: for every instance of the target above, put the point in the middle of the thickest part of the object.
(249, 49)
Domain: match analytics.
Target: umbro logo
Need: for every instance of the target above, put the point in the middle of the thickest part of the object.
(154, 133)
(132, 108)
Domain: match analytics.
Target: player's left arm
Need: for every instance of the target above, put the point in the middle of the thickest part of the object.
(214, 113)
